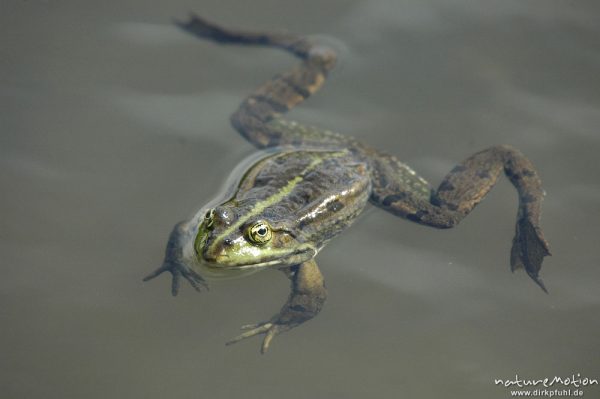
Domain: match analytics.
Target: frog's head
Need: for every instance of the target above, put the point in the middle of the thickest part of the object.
(228, 239)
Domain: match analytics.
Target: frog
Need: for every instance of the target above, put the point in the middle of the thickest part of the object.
(306, 185)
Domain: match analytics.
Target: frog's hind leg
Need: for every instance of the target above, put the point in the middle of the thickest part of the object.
(398, 190)
(258, 118)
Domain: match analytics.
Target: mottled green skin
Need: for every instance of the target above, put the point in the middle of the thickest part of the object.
(308, 197)
(312, 184)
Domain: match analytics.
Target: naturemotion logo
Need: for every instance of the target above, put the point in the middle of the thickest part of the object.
(575, 381)
(557, 384)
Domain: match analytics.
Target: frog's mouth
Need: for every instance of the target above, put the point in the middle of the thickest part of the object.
(299, 255)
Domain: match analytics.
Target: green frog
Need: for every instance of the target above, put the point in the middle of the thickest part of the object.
(307, 185)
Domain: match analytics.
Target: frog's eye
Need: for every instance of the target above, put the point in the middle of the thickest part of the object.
(208, 218)
(260, 233)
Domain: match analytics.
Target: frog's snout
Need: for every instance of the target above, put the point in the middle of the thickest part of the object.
(215, 252)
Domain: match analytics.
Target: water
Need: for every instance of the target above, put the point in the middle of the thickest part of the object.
(114, 126)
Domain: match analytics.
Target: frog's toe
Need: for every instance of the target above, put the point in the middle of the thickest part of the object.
(252, 330)
(528, 250)
(268, 328)
(251, 326)
(178, 271)
(155, 273)
(191, 276)
(195, 280)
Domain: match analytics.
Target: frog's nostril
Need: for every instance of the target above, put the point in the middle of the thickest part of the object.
(227, 242)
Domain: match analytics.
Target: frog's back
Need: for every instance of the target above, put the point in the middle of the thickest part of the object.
(318, 191)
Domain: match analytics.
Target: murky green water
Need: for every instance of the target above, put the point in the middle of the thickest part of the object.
(114, 126)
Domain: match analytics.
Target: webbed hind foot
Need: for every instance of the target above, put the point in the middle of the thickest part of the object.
(528, 250)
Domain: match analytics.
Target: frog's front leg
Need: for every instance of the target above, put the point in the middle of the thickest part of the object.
(174, 262)
(305, 302)
(396, 188)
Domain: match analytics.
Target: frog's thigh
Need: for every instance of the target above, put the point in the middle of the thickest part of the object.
(400, 191)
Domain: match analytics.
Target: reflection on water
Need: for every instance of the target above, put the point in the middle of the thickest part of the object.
(115, 126)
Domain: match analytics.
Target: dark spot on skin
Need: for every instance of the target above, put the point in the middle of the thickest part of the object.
(387, 201)
(446, 186)
(483, 174)
(450, 206)
(413, 217)
(435, 200)
(510, 173)
(527, 198)
(298, 89)
(257, 112)
(227, 242)
(417, 216)
(383, 181)
(458, 169)
(298, 308)
(335, 206)
(528, 173)
(261, 181)
(275, 103)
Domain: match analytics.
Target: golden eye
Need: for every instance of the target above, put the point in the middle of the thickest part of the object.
(260, 233)
(208, 218)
